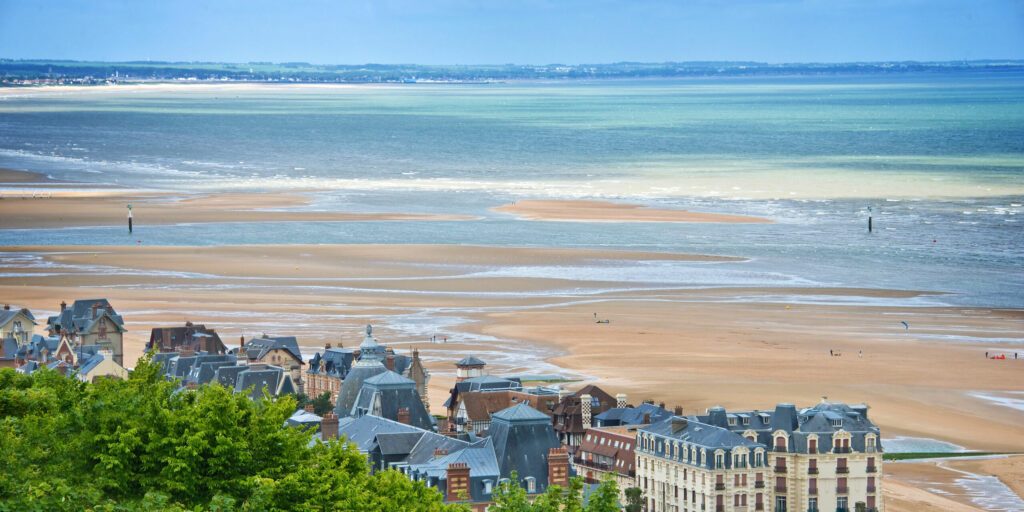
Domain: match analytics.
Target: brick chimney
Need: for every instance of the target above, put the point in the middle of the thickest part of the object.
(7, 307)
(329, 426)
(458, 482)
(647, 418)
(558, 467)
(389, 361)
(403, 415)
(440, 452)
(327, 346)
(95, 307)
(63, 306)
(620, 401)
(678, 411)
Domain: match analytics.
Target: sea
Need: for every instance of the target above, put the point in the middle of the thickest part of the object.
(936, 159)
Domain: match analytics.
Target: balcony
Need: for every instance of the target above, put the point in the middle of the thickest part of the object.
(759, 484)
(813, 491)
(871, 488)
(842, 490)
(592, 464)
(759, 506)
(719, 486)
(780, 469)
(780, 489)
(872, 469)
(841, 449)
(812, 471)
(719, 508)
(842, 470)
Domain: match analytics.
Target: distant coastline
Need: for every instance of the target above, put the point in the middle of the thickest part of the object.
(18, 72)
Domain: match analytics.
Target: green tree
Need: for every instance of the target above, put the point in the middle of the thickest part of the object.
(634, 499)
(605, 498)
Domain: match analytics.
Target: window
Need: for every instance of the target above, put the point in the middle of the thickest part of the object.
(488, 486)
(812, 446)
(531, 484)
(746, 420)
(732, 421)
(812, 504)
(842, 504)
(780, 504)
(837, 422)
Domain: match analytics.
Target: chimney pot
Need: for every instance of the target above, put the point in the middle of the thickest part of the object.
(679, 410)
(7, 307)
(327, 346)
(63, 306)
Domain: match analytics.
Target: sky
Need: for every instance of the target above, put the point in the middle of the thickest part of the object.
(507, 31)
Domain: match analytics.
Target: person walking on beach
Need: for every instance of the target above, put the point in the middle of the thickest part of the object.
(129, 218)
(831, 353)
(986, 355)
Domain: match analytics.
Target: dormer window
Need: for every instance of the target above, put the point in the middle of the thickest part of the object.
(732, 421)
(746, 420)
(837, 422)
(488, 486)
(531, 484)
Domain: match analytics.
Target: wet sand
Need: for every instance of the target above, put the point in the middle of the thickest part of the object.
(921, 485)
(605, 211)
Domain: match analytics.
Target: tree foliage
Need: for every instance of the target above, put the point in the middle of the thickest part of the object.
(509, 497)
(138, 444)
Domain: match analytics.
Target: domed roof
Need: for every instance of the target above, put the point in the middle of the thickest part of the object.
(470, 361)
(360, 372)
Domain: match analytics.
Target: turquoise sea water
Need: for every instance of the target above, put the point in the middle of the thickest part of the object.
(939, 158)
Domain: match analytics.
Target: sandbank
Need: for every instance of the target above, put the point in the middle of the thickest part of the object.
(605, 211)
(90, 207)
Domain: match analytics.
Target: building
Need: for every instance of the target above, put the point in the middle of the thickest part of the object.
(465, 470)
(826, 457)
(328, 370)
(90, 322)
(86, 363)
(575, 413)
(389, 395)
(608, 452)
(279, 351)
(193, 369)
(16, 324)
(195, 337)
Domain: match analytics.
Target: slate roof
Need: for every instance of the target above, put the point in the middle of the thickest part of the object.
(257, 348)
(335, 362)
(363, 431)
(522, 438)
(569, 415)
(353, 383)
(79, 318)
(480, 405)
(303, 418)
(195, 335)
(385, 394)
(470, 361)
(631, 415)
(799, 424)
(6, 315)
(693, 432)
(10, 348)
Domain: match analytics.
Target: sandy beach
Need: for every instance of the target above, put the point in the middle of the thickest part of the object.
(605, 211)
(696, 348)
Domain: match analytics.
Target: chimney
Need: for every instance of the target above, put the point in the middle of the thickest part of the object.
(440, 452)
(389, 361)
(327, 346)
(678, 411)
(63, 306)
(7, 307)
(620, 401)
(558, 467)
(403, 415)
(585, 404)
(310, 408)
(458, 482)
(563, 394)
(95, 307)
(647, 418)
(661, 404)
(329, 426)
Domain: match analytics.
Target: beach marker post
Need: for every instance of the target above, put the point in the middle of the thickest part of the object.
(129, 218)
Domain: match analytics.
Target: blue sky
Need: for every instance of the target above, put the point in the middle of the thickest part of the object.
(500, 31)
